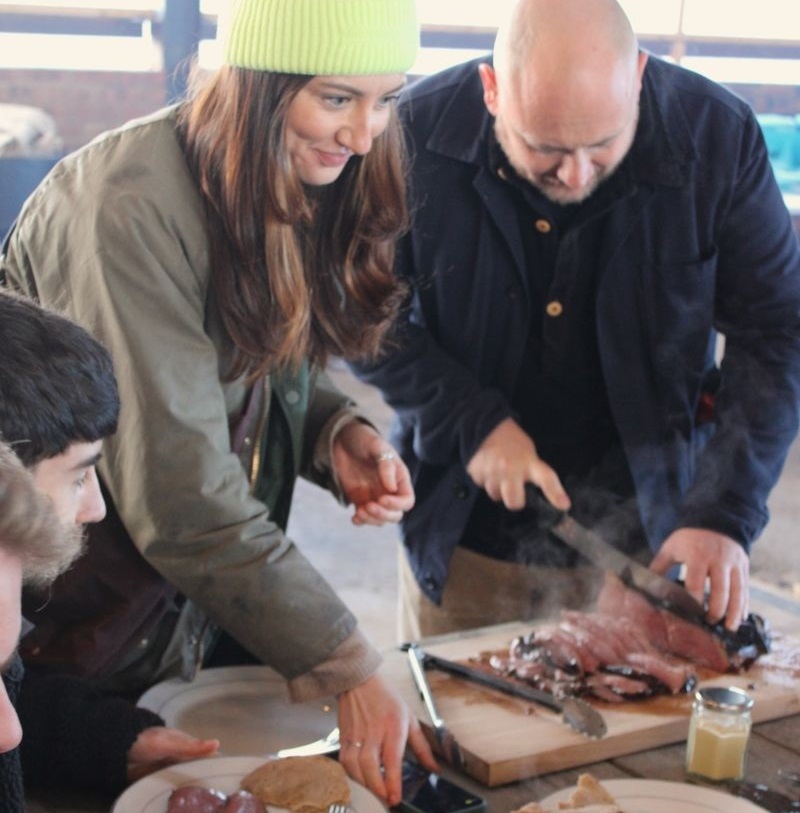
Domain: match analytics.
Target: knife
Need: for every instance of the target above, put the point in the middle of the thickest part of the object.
(762, 795)
(576, 713)
(328, 744)
(659, 590)
(447, 742)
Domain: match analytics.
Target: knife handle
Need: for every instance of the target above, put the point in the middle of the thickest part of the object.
(547, 514)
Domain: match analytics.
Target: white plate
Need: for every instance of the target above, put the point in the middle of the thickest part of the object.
(651, 796)
(151, 794)
(247, 708)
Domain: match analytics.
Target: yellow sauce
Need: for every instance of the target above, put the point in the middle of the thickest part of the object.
(716, 752)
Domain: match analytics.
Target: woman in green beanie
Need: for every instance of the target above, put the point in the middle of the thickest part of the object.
(223, 249)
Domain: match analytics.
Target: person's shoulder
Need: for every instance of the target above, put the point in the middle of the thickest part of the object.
(153, 136)
(140, 161)
(443, 83)
(136, 173)
(691, 89)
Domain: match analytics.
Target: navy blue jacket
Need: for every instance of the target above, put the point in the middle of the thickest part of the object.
(699, 243)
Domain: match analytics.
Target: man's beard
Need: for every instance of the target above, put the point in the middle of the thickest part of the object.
(549, 184)
(73, 546)
(61, 553)
(556, 192)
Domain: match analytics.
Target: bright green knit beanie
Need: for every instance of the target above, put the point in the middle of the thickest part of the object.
(323, 37)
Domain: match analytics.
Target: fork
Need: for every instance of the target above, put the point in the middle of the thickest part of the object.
(338, 808)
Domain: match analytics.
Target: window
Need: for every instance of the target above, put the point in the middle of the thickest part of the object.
(730, 42)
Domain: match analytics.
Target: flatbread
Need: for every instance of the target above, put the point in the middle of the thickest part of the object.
(588, 797)
(588, 794)
(301, 784)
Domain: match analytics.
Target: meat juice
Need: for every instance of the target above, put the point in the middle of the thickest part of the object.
(718, 733)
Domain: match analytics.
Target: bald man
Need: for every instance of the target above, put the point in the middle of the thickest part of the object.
(588, 222)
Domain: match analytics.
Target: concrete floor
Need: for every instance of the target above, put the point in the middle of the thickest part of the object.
(361, 563)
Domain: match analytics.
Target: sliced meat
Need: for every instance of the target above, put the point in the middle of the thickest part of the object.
(584, 643)
(244, 802)
(627, 648)
(532, 671)
(632, 636)
(560, 648)
(619, 601)
(667, 632)
(677, 676)
(622, 685)
(696, 644)
(191, 799)
(602, 692)
(600, 634)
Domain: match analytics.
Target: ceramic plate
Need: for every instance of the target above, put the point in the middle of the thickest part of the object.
(151, 794)
(247, 708)
(651, 796)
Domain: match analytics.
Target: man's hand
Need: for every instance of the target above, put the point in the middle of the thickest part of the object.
(506, 461)
(374, 726)
(157, 747)
(372, 475)
(708, 555)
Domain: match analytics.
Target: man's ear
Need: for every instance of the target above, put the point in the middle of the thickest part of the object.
(489, 82)
(641, 64)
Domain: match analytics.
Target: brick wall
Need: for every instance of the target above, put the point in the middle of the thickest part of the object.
(84, 103)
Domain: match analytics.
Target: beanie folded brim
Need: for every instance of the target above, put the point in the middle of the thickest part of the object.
(324, 37)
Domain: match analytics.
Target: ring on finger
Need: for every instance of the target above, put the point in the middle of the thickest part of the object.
(379, 458)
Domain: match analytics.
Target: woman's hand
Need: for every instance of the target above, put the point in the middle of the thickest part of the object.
(372, 475)
(375, 725)
(157, 747)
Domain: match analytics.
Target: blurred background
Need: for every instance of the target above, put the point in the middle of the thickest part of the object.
(70, 70)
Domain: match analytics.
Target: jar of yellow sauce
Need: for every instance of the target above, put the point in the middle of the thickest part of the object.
(718, 733)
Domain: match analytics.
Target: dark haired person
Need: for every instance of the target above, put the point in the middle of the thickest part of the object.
(588, 220)
(58, 401)
(223, 249)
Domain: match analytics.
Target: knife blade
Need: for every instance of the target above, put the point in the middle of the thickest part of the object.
(576, 713)
(661, 591)
(444, 737)
(328, 744)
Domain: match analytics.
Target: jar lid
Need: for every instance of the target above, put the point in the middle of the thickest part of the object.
(726, 699)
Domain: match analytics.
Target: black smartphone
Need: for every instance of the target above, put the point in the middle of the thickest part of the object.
(425, 792)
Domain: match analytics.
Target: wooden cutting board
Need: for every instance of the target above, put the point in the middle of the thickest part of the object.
(504, 739)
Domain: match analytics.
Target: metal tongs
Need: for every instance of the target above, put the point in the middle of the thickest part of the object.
(576, 713)
(444, 737)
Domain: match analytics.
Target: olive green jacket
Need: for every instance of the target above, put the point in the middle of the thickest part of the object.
(114, 238)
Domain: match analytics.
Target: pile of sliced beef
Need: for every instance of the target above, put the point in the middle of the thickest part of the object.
(627, 648)
(194, 799)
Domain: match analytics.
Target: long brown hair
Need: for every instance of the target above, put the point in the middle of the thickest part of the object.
(297, 272)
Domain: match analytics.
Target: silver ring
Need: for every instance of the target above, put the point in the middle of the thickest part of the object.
(379, 458)
(356, 743)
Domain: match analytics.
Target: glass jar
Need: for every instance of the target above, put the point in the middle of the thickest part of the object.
(718, 733)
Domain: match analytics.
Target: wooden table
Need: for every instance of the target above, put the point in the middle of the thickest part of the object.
(772, 745)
